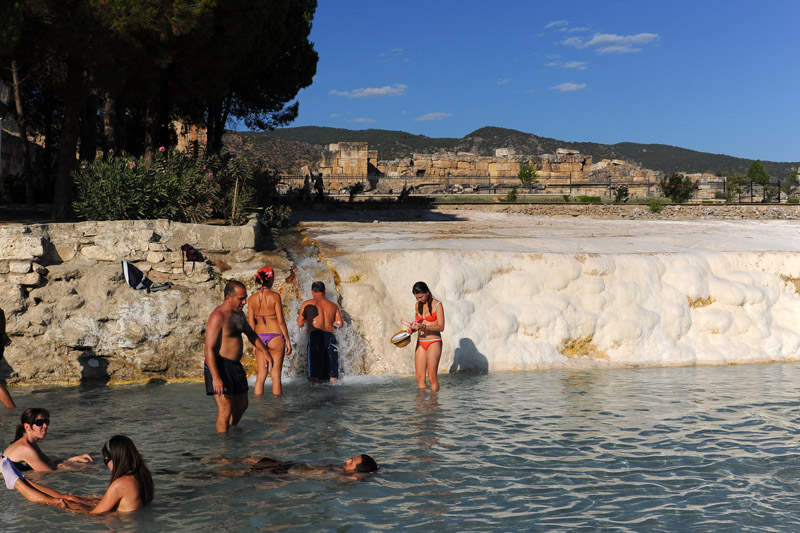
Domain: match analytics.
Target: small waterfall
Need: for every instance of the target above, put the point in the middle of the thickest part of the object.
(307, 269)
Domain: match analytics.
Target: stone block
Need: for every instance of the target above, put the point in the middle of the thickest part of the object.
(98, 253)
(65, 251)
(29, 280)
(19, 267)
(243, 255)
(20, 247)
(155, 257)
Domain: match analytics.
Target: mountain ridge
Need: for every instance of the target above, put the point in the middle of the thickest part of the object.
(306, 141)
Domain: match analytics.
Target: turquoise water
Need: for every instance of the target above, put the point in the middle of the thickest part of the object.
(660, 449)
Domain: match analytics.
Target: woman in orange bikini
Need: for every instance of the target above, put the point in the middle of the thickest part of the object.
(265, 315)
(429, 324)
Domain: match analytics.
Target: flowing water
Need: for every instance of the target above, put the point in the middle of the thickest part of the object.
(582, 444)
(669, 449)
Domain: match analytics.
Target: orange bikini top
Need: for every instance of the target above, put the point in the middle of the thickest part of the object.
(431, 317)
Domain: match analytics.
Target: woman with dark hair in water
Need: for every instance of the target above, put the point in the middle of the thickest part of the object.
(24, 450)
(265, 315)
(429, 324)
(130, 488)
(131, 485)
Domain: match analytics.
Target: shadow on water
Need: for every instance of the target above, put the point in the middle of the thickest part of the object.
(467, 358)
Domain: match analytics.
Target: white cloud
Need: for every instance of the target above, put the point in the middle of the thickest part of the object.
(434, 116)
(398, 89)
(334, 115)
(556, 24)
(362, 120)
(503, 81)
(569, 87)
(611, 43)
(572, 41)
(579, 65)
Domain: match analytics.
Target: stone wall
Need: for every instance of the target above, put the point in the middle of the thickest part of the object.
(72, 317)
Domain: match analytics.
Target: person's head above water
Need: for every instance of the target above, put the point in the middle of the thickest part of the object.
(361, 463)
(318, 286)
(36, 418)
(122, 457)
(265, 276)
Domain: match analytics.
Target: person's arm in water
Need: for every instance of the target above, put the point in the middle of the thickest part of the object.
(37, 493)
(257, 343)
(213, 341)
(82, 458)
(282, 325)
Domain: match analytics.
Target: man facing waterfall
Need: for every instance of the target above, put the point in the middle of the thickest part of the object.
(224, 374)
(321, 315)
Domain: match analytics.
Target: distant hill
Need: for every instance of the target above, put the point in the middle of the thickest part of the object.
(290, 148)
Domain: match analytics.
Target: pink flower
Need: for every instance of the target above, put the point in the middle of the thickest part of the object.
(204, 167)
(210, 174)
(131, 165)
(162, 149)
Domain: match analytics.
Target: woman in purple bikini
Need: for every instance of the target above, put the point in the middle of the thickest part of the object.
(265, 315)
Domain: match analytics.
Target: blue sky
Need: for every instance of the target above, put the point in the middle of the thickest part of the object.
(714, 76)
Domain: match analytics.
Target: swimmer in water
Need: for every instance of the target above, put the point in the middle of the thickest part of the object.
(265, 316)
(24, 451)
(429, 324)
(130, 487)
(356, 468)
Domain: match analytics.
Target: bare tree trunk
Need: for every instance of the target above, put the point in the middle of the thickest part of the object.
(111, 123)
(62, 193)
(150, 126)
(30, 193)
(88, 145)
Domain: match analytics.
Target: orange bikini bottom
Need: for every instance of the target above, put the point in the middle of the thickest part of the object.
(427, 343)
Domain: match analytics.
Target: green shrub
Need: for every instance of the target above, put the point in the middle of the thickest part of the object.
(793, 201)
(178, 186)
(678, 188)
(527, 175)
(511, 196)
(621, 194)
(566, 198)
(656, 205)
(590, 199)
(122, 188)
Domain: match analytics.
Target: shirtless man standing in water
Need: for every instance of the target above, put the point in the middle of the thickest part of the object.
(322, 316)
(224, 374)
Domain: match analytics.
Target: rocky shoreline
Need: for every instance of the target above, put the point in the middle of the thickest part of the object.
(72, 318)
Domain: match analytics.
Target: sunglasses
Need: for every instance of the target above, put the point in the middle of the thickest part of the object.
(106, 460)
(40, 422)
